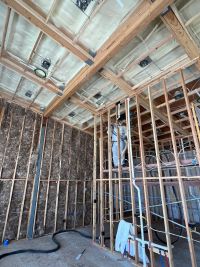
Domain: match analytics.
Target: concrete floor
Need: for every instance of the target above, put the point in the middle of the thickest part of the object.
(72, 244)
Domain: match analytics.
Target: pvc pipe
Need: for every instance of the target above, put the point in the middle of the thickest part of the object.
(134, 184)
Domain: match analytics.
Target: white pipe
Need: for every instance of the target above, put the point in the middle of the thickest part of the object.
(134, 183)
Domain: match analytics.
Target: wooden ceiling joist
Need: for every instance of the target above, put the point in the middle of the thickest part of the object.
(12, 64)
(142, 16)
(175, 25)
(144, 102)
(25, 10)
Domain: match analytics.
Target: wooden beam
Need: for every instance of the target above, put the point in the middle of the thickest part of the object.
(173, 22)
(162, 191)
(37, 20)
(181, 185)
(5, 30)
(145, 182)
(161, 115)
(94, 227)
(87, 106)
(2, 111)
(139, 20)
(128, 89)
(110, 184)
(12, 64)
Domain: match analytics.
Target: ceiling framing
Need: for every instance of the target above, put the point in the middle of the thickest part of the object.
(95, 56)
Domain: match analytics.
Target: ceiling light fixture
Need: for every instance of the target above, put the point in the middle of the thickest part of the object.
(40, 73)
(46, 63)
(83, 4)
(178, 95)
(28, 93)
(145, 62)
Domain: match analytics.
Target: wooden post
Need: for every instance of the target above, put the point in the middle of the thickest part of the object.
(121, 203)
(110, 183)
(84, 184)
(101, 183)
(94, 182)
(2, 110)
(181, 185)
(196, 121)
(145, 182)
(13, 179)
(49, 176)
(162, 191)
(66, 205)
(26, 181)
(75, 203)
(58, 182)
(187, 102)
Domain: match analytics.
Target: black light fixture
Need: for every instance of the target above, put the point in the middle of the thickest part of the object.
(28, 93)
(83, 4)
(98, 95)
(145, 62)
(178, 95)
(40, 73)
(72, 114)
(46, 63)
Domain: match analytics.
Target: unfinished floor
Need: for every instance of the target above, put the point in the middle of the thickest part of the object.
(72, 245)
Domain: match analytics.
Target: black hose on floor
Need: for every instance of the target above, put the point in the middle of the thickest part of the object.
(58, 245)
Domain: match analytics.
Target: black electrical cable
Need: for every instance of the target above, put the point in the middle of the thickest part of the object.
(179, 207)
(36, 251)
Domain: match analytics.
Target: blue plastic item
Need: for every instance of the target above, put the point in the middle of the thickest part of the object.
(6, 243)
(194, 161)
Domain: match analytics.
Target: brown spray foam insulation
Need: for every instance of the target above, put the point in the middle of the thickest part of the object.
(74, 153)
(4, 130)
(61, 205)
(88, 191)
(13, 218)
(13, 143)
(25, 145)
(51, 208)
(88, 205)
(24, 223)
(80, 191)
(88, 214)
(39, 228)
(4, 197)
(79, 214)
(34, 155)
(89, 158)
(47, 151)
(82, 156)
(66, 154)
(55, 171)
(71, 205)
